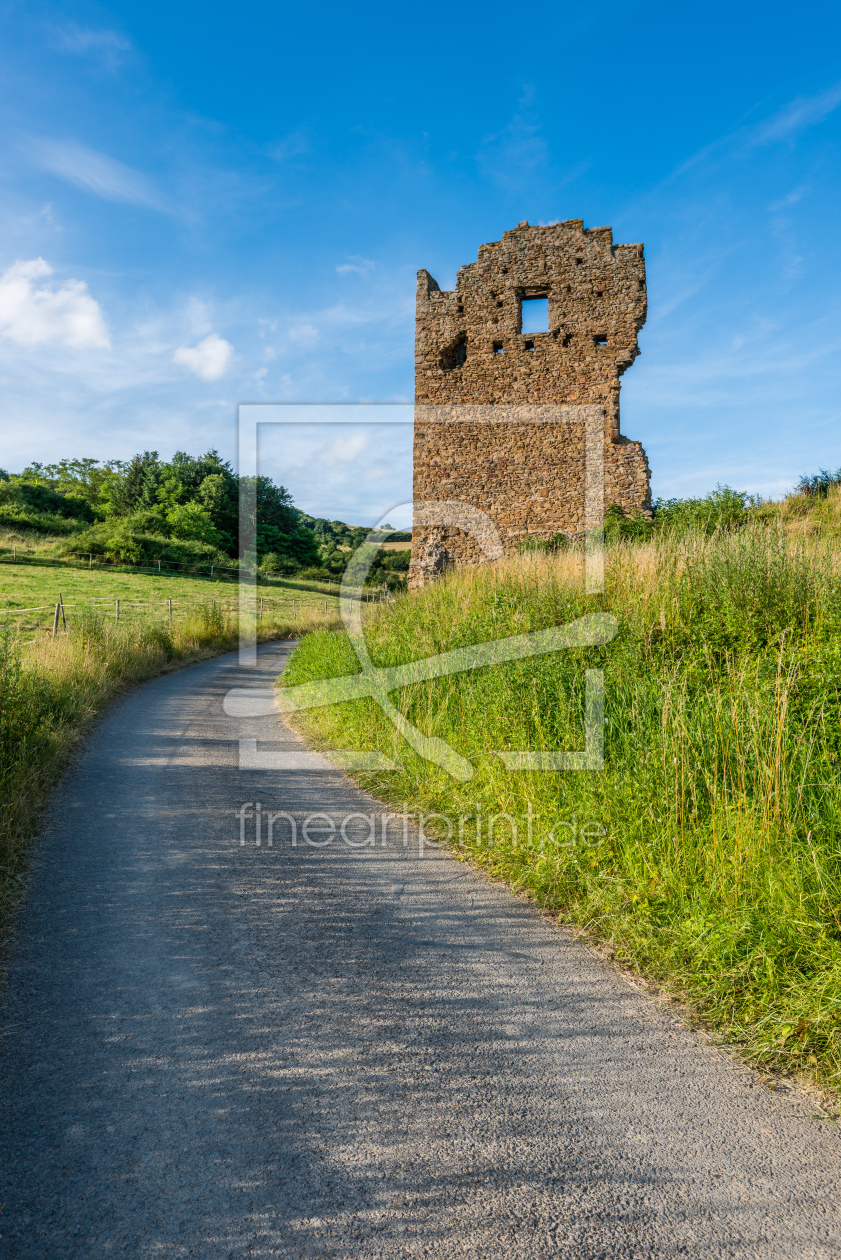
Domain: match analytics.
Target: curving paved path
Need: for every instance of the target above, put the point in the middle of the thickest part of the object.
(216, 1050)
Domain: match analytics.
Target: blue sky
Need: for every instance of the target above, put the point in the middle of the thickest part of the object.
(205, 204)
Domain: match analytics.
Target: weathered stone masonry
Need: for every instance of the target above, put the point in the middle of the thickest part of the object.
(470, 352)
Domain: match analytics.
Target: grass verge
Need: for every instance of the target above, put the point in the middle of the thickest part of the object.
(707, 853)
(51, 690)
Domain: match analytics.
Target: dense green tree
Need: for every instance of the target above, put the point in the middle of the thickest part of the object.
(186, 498)
(191, 520)
(135, 488)
(75, 478)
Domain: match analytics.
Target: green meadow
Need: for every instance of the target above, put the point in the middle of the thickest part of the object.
(706, 854)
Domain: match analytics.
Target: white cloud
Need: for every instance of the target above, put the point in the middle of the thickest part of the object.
(356, 266)
(97, 173)
(344, 450)
(32, 313)
(304, 335)
(209, 360)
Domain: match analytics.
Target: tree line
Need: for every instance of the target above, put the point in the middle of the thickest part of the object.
(184, 509)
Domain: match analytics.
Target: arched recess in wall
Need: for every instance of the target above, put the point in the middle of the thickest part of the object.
(454, 355)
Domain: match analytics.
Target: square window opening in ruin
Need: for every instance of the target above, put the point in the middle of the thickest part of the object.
(534, 313)
(529, 345)
(497, 347)
(600, 339)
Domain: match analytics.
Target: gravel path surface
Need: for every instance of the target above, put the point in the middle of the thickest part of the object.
(213, 1049)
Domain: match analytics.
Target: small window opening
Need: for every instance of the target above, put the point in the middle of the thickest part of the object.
(600, 339)
(535, 315)
(578, 262)
(499, 304)
(599, 293)
(641, 284)
(566, 341)
(497, 347)
(461, 310)
(529, 345)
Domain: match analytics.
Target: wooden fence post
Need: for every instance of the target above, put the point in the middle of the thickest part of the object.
(90, 560)
(170, 612)
(55, 620)
(61, 605)
(117, 612)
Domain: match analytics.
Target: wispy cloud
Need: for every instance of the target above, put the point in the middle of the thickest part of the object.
(102, 45)
(97, 173)
(304, 335)
(296, 144)
(805, 111)
(34, 313)
(514, 156)
(356, 265)
(791, 199)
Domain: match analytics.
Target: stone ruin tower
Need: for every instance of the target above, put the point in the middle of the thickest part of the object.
(470, 351)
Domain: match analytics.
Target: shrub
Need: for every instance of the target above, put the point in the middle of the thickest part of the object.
(724, 508)
(619, 524)
(819, 486)
(191, 520)
(546, 546)
(118, 539)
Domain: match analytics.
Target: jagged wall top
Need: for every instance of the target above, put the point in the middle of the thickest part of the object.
(470, 346)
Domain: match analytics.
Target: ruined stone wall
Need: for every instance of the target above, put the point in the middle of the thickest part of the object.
(470, 352)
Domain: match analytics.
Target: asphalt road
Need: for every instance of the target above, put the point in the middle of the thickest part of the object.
(213, 1049)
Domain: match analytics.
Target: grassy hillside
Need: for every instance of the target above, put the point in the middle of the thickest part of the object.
(707, 853)
(27, 585)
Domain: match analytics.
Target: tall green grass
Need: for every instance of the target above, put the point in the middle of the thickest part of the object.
(711, 858)
(51, 690)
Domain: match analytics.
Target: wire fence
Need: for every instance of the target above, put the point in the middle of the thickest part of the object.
(55, 616)
(16, 554)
